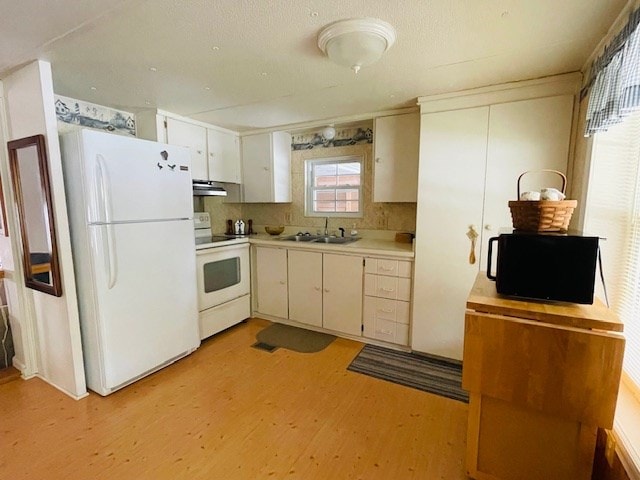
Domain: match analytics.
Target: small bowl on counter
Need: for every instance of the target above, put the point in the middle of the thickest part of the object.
(274, 230)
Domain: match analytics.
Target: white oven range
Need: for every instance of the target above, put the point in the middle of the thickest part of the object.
(223, 278)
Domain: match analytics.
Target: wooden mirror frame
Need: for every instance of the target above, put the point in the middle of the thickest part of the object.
(31, 270)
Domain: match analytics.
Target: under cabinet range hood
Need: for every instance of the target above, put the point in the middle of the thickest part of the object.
(203, 188)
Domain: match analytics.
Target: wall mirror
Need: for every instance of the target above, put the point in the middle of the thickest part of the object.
(30, 179)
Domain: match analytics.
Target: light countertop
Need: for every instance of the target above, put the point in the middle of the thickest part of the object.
(364, 246)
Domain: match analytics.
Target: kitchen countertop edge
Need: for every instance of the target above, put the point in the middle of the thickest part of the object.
(363, 246)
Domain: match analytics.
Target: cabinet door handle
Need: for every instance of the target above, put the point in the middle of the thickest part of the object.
(199, 152)
(377, 159)
(282, 282)
(326, 290)
(317, 289)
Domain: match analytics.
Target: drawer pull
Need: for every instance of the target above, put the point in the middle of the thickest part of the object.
(385, 310)
(385, 332)
(385, 289)
(386, 269)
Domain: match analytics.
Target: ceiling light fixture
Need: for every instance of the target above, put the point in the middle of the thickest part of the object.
(356, 42)
(328, 132)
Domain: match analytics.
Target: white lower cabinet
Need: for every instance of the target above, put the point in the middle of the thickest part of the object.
(387, 300)
(271, 281)
(342, 293)
(305, 287)
(348, 294)
(325, 290)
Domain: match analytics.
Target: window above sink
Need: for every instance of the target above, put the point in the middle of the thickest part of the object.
(333, 187)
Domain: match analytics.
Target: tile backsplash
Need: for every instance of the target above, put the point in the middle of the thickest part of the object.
(377, 216)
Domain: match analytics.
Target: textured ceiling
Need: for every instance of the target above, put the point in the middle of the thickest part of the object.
(255, 64)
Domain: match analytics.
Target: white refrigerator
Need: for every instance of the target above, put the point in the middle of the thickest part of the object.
(130, 211)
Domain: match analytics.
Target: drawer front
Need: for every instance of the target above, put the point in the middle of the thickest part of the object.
(402, 334)
(389, 268)
(380, 286)
(382, 308)
(395, 310)
(379, 329)
(404, 269)
(402, 312)
(386, 320)
(404, 289)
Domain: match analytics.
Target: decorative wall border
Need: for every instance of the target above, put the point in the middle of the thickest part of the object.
(344, 137)
(71, 111)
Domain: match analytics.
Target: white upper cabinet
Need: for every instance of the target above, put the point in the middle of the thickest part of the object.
(266, 167)
(195, 138)
(224, 156)
(215, 152)
(395, 169)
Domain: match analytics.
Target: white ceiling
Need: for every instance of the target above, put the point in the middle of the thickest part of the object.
(248, 64)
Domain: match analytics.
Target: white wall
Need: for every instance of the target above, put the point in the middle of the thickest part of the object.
(55, 321)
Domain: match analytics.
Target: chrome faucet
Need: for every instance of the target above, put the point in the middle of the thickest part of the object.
(326, 226)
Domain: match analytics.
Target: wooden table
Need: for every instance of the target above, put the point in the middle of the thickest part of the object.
(542, 378)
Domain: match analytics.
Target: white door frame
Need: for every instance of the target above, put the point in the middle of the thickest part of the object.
(25, 313)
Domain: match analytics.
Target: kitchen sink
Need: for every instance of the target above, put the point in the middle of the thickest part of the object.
(319, 239)
(302, 238)
(337, 239)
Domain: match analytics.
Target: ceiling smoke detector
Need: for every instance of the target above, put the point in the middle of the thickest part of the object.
(356, 42)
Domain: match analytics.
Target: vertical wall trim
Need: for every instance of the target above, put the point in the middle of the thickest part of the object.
(29, 364)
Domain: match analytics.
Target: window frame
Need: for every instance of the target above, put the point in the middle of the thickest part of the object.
(626, 429)
(309, 188)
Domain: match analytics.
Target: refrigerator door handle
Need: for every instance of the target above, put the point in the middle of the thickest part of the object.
(110, 261)
(104, 207)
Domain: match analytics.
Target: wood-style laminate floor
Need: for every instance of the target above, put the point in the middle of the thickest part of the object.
(229, 411)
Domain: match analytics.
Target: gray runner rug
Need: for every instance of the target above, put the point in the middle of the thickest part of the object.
(429, 373)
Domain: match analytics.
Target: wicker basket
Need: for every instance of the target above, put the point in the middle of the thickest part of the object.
(542, 215)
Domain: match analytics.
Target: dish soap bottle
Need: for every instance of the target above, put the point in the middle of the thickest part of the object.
(354, 232)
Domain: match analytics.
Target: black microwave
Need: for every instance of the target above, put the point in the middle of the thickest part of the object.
(545, 266)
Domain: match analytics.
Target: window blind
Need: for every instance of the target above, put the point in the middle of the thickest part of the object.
(334, 186)
(613, 211)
